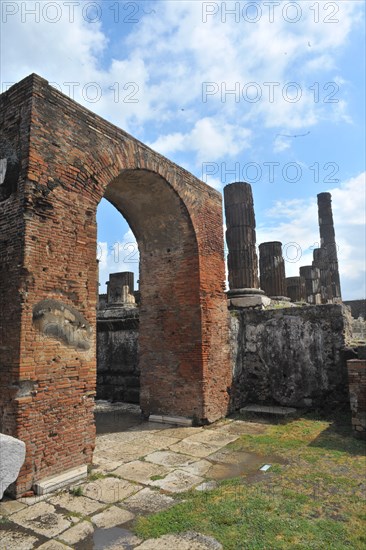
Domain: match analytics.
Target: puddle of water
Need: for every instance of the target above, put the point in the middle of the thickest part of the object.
(239, 464)
(115, 421)
(113, 538)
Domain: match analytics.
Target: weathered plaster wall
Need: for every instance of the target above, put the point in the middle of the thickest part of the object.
(290, 356)
(118, 373)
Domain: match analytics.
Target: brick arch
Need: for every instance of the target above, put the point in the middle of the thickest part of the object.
(68, 159)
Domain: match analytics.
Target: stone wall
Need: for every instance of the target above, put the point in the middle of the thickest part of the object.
(291, 356)
(118, 374)
(357, 393)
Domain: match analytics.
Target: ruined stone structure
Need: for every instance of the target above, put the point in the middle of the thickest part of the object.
(241, 241)
(272, 270)
(311, 276)
(295, 289)
(328, 243)
(290, 356)
(357, 392)
(321, 262)
(58, 161)
(116, 293)
(118, 370)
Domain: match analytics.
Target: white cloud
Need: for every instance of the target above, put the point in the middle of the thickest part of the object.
(210, 139)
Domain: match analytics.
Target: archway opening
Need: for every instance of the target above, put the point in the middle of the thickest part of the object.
(169, 316)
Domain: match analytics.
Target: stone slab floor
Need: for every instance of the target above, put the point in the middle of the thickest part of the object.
(137, 468)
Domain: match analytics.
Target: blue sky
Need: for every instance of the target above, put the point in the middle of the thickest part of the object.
(268, 92)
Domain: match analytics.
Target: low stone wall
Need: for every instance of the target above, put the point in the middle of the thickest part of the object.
(293, 356)
(357, 394)
(118, 375)
(290, 356)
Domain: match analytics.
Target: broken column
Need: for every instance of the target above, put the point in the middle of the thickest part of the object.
(295, 289)
(327, 242)
(120, 289)
(321, 261)
(312, 284)
(272, 270)
(241, 240)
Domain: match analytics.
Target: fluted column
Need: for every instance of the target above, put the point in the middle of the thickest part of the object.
(295, 289)
(328, 242)
(241, 241)
(272, 269)
(240, 236)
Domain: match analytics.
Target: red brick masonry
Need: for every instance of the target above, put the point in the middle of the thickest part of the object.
(357, 393)
(61, 160)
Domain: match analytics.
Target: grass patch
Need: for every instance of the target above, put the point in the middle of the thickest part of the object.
(156, 477)
(76, 491)
(315, 501)
(96, 475)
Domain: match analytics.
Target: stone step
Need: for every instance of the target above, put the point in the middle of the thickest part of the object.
(269, 410)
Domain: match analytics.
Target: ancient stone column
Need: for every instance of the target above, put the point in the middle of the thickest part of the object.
(312, 284)
(321, 261)
(327, 241)
(272, 270)
(116, 293)
(295, 289)
(241, 241)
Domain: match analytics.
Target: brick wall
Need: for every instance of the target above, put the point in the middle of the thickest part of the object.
(70, 159)
(357, 394)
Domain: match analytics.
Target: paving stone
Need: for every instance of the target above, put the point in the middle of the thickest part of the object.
(141, 472)
(53, 545)
(159, 441)
(109, 489)
(181, 433)
(106, 440)
(188, 541)
(29, 501)
(78, 505)
(177, 482)
(199, 468)
(148, 501)
(168, 458)
(127, 452)
(9, 507)
(211, 437)
(13, 540)
(194, 448)
(150, 427)
(111, 517)
(77, 533)
(42, 518)
(104, 465)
